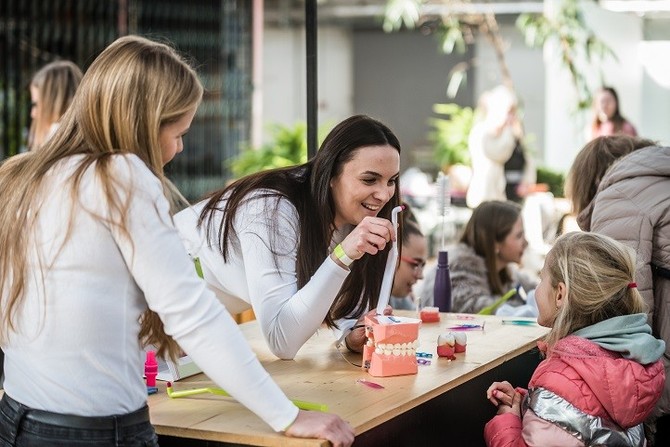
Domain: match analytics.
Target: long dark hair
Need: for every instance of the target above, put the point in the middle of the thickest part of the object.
(491, 222)
(617, 118)
(307, 187)
(591, 164)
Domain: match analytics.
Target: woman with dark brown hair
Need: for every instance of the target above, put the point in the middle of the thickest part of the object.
(306, 244)
(607, 118)
(481, 264)
(590, 166)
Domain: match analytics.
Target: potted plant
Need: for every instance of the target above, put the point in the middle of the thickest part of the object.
(450, 145)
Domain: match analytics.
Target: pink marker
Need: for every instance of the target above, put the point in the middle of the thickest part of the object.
(151, 368)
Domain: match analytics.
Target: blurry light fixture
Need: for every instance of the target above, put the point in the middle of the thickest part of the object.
(638, 6)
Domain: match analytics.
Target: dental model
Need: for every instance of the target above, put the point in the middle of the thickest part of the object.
(445, 345)
(392, 341)
(461, 342)
(450, 343)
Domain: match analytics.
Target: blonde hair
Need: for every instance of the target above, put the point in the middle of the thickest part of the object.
(597, 272)
(133, 87)
(56, 84)
(591, 164)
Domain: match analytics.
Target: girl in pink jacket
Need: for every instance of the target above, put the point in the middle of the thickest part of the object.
(602, 375)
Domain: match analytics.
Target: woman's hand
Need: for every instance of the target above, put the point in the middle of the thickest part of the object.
(312, 424)
(369, 236)
(356, 338)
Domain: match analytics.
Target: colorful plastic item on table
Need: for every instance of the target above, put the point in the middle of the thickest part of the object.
(461, 342)
(367, 383)
(151, 369)
(303, 405)
(451, 343)
(445, 345)
(391, 345)
(490, 310)
(430, 315)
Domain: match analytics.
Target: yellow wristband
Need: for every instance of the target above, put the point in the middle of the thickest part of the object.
(342, 256)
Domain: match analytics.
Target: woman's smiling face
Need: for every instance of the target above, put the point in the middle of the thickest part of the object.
(367, 182)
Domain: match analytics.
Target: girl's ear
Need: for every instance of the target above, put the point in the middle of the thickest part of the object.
(561, 292)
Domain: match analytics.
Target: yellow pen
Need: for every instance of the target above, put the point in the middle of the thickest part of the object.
(303, 405)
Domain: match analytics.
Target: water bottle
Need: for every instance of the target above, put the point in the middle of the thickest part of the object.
(442, 287)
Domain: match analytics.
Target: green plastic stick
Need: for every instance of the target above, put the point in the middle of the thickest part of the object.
(303, 405)
(490, 310)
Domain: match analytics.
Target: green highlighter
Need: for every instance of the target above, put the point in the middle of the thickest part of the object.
(490, 310)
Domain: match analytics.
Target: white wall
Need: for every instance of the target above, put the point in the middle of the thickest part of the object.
(284, 85)
(654, 56)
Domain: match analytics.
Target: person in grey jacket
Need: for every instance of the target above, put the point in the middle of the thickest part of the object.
(631, 203)
(483, 264)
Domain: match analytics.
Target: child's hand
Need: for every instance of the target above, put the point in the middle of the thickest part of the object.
(514, 407)
(500, 393)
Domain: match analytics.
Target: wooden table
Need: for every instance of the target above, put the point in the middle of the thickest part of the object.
(444, 401)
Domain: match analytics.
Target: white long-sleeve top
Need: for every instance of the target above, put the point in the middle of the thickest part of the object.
(254, 278)
(488, 152)
(77, 348)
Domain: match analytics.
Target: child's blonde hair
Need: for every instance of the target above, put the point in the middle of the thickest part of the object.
(599, 274)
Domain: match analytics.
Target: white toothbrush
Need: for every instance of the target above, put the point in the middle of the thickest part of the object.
(387, 282)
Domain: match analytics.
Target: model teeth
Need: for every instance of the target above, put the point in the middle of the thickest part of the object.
(396, 349)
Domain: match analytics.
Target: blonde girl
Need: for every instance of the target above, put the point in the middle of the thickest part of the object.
(603, 373)
(51, 91)
(92, 268)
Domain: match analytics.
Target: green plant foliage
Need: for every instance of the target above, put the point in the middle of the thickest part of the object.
(579, 47)
(288, 148)
(554, 179)
(450, 135)
(401, 12)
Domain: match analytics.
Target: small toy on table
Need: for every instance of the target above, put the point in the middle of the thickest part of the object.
(430, 314)
(461, 342)
(450, 343)
(150, 369)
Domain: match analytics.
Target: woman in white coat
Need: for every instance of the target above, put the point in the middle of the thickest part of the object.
(491, 143)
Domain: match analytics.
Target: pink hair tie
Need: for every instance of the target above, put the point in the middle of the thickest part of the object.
(632, 285)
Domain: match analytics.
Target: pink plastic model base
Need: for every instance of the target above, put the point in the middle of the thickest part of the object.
(450, 343)
(391, 346)
(430, 314)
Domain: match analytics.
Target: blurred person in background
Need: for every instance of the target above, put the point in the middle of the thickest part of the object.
(607, 118)
(495, 140)
(411, 263)
(484, 264)
(51, 91)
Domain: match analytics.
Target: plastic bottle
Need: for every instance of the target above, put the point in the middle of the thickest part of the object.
(151, 369)
(442, 287)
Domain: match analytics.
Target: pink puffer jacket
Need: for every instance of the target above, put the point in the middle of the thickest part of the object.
(580, 381)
